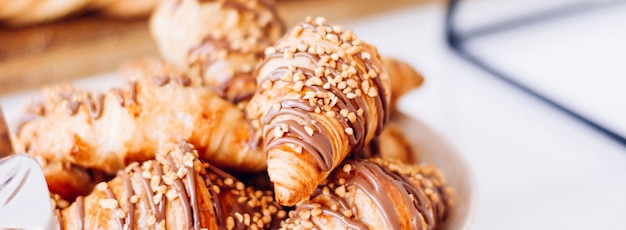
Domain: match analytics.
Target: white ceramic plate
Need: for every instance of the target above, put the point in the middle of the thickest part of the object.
(432, 148)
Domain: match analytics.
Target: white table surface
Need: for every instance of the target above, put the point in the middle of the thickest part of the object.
(534, 167)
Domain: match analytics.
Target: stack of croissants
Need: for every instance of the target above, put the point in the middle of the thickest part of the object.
(240, 124)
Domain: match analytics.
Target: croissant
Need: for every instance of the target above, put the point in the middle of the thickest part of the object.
(376, 194)
(403, 78)
(175, 191)
(222, 41)
(71, 128)
(323, 93)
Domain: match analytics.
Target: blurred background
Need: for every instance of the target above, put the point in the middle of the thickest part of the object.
(535, 167)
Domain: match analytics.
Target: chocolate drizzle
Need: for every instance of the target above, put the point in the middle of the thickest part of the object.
(118, 95)
(159, 212)
(93, 103)
(185, 195)
(72, 107)
(181, 79)
(132, 93)
(72, 100)
(130, 207)
(186, 190)
(120, 221)
(366, 176)
(161, 80)
(318, 144)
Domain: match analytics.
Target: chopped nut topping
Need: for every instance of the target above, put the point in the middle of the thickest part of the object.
(102, 186)
(239, 185)
(278, 133)
(351, 117)
(239, 217)
(229, 181)
(154, 182)
(305, 215)
(349, 131)
(171, 194)
(316, 211)
(108, 203)
(230, 222)
(347, 168)
(341, 191)
(281, 213)
(134, 199)
(157, 198)
(270, 50)
(309, 130)
(372, 92)
(276, 106)
(298, 86)
(120, 213)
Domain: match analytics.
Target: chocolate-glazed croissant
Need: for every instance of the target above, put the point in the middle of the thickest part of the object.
(322, 93)
(74, 129)
(375, 194)
(175, 191)
(222, 41)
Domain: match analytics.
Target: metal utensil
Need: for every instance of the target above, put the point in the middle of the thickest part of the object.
(24, 196)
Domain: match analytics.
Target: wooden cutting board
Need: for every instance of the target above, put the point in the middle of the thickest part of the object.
(88, 45)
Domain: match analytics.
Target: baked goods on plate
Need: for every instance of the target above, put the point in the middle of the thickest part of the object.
(315, 133)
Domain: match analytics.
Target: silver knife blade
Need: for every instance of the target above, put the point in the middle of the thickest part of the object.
(24, 197)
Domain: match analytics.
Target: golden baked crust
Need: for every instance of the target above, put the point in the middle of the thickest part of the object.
(107, 131)
(323, 93)
(376, 194)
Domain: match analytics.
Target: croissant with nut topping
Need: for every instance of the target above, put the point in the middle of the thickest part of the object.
(175, 191)
(222, 41)
(322, 94)
(103, 132)
(376, 194)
